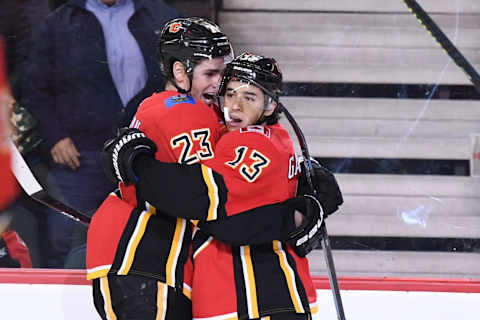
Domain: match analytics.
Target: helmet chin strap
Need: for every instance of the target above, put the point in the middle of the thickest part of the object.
(181, 90)
(260, 119)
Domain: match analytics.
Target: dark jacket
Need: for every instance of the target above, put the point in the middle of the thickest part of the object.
(68, 85)
(18, 19)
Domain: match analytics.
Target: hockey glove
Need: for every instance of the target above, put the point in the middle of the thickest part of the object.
(307, 236)
(119, 153)
(326, 186)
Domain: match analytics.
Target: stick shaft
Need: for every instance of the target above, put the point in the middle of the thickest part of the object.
(332, 275)
(30, 185)
(444, 42)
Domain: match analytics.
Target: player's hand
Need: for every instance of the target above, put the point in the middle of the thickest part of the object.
(119, 153)
(306, 236)
(65, 153)
(326, 186)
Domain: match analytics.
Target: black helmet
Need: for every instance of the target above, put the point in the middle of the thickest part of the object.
(189, 40)
(263, 72)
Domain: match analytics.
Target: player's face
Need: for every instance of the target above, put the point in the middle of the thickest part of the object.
(243, 105)
(206, 78)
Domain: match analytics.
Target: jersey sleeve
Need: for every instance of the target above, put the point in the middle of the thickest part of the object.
(255, 226)
(246, 172)
(241, 190)
(186, 195)
(187, 191)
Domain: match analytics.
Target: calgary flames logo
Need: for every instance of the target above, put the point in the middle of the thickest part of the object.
(174, 27)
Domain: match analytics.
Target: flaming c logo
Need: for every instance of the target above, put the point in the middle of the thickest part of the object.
(174, 27)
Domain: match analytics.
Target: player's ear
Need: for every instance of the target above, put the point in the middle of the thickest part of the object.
(180, 75)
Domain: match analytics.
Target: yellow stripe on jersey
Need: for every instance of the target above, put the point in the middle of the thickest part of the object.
(175, 251)
(162, 295)
(105, 290)
(289, 276)
(187, 291)
(98, 272)
(212, 192)
(135, 240)
(249, 278)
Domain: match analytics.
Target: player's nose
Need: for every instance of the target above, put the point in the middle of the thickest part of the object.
(236, 103)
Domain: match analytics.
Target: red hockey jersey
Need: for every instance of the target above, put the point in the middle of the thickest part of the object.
(140, 240)
(259, 167)
(146, 235)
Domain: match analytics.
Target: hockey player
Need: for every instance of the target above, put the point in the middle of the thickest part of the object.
(240, 282)
(140, 261)
(252, 281)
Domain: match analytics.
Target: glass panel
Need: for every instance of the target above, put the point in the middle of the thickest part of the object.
(380, 103)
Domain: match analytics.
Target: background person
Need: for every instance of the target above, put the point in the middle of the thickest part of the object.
(93, 62)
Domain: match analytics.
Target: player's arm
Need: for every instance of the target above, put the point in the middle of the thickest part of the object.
(133, 155)
(192, 192)
(278, 221)
(186, 197)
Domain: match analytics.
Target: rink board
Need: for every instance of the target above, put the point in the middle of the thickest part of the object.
(65, 294)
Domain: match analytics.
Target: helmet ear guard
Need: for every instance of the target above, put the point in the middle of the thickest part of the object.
(270, 103)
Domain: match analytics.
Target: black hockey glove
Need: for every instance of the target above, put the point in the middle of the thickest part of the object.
(307, 236)
(324, 182)
(119, 153)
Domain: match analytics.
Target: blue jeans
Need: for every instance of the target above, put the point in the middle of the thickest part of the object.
(83, 189)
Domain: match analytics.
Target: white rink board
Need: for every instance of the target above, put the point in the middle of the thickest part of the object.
(73, 302)
(401, 305)
(46, 302)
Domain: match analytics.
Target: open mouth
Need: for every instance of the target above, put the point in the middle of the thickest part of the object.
(235, 119)
(208, 98)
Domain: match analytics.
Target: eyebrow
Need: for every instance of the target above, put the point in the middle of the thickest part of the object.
(213, 70)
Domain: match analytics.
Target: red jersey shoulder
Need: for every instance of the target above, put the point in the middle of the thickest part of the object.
(185, 130)
(274, 138)
(171, 105)
(257, 129)
(254, 151)
(257, 137)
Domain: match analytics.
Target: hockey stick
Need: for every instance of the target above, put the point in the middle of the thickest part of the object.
(31, 187)
(444, 42)
(332, 276)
